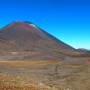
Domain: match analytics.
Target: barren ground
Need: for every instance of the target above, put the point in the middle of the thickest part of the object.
(71, 74)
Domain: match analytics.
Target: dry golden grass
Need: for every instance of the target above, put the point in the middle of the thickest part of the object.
(73, 65)
(73, 75)
(27, 62)
(13, 83)
(10, 82)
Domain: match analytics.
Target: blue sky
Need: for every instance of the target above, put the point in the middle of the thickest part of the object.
(68, 20)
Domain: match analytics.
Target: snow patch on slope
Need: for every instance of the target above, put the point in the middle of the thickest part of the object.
(33, 25)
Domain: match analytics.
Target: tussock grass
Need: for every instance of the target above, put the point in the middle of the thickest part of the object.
(12, 83)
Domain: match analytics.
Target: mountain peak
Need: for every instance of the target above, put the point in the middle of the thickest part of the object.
(24, 24)
(21, 22)
(28, 36)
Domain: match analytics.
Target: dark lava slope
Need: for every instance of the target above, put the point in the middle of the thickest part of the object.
(27, 37)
